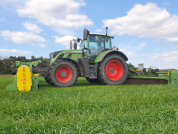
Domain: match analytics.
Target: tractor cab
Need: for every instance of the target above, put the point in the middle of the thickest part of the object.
(95, 43)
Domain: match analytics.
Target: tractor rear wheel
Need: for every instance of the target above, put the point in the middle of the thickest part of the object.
(112, 70)
(63, 74)
(93, 80)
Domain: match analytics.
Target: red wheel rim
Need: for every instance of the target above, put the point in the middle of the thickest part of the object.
(64, 74)
(114, 70)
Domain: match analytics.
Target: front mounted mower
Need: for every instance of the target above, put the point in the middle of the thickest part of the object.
(24, 76)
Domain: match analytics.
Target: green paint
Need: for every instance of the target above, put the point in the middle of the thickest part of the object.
(35, 82)
(19, 63)
(174, 77)
(149, 77)
(12, 86)
(65, 53)
(99, 56)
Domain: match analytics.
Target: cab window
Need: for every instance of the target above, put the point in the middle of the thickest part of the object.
(108, 43)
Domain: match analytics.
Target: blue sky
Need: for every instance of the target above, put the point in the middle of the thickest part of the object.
(146, 31)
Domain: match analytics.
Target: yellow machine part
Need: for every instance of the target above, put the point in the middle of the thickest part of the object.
(36, 74)
(24, 78)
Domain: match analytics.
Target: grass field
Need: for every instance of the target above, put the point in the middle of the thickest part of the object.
(89, 108)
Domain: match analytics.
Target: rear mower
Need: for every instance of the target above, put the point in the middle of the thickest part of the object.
(142, 75)
(96, 60)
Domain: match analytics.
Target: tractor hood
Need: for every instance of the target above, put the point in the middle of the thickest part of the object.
(53, 54)
(74, 54)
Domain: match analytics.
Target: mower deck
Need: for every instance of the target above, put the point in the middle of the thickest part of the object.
(132, 81)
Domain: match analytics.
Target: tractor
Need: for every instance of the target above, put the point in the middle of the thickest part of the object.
(96, 60)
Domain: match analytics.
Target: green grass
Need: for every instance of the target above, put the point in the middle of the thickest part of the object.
(89, 108)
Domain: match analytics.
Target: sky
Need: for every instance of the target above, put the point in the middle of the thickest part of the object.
(146, 31)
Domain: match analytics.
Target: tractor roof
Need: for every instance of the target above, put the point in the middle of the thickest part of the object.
(100, 34)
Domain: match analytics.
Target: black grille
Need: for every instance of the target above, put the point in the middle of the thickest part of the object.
(69, 55)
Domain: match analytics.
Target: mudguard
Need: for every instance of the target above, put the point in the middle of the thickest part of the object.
(101, 56)
(77, 64)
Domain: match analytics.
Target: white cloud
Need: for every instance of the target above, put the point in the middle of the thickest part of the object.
(142, 45)
(32, 27)
(166, 56)
(63, 31)
(166, 3)
(157, 49)
(146, 21)
(166, 48)
(128, 52)
(56, 13)
(175, 40)
(22, 37)
(8, 4)
(98, 30)
(64, 40)
(10, 51)
(4, 20)
(42, 45)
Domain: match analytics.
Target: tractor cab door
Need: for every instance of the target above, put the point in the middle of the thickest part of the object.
(96, 45)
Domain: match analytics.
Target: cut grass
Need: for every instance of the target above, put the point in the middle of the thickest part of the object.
(89, 108)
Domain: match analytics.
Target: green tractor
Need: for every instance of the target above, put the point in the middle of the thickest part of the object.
(96, 60)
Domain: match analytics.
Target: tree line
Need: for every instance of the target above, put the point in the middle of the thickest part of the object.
(5, 62)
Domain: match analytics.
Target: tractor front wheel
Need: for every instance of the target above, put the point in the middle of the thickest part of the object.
(63, 74)
(113, 70)
(46, 76)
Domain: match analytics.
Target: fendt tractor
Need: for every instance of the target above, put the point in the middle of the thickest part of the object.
(96, 60)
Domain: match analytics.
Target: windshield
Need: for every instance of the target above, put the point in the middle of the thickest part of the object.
(97, 44)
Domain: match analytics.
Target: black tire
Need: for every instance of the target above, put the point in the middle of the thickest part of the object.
(46, 76)
(62, 74)
(106, 71)
(93, 80)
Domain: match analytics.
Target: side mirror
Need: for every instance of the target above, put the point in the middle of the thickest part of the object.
(70, 44)
(85, 34)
